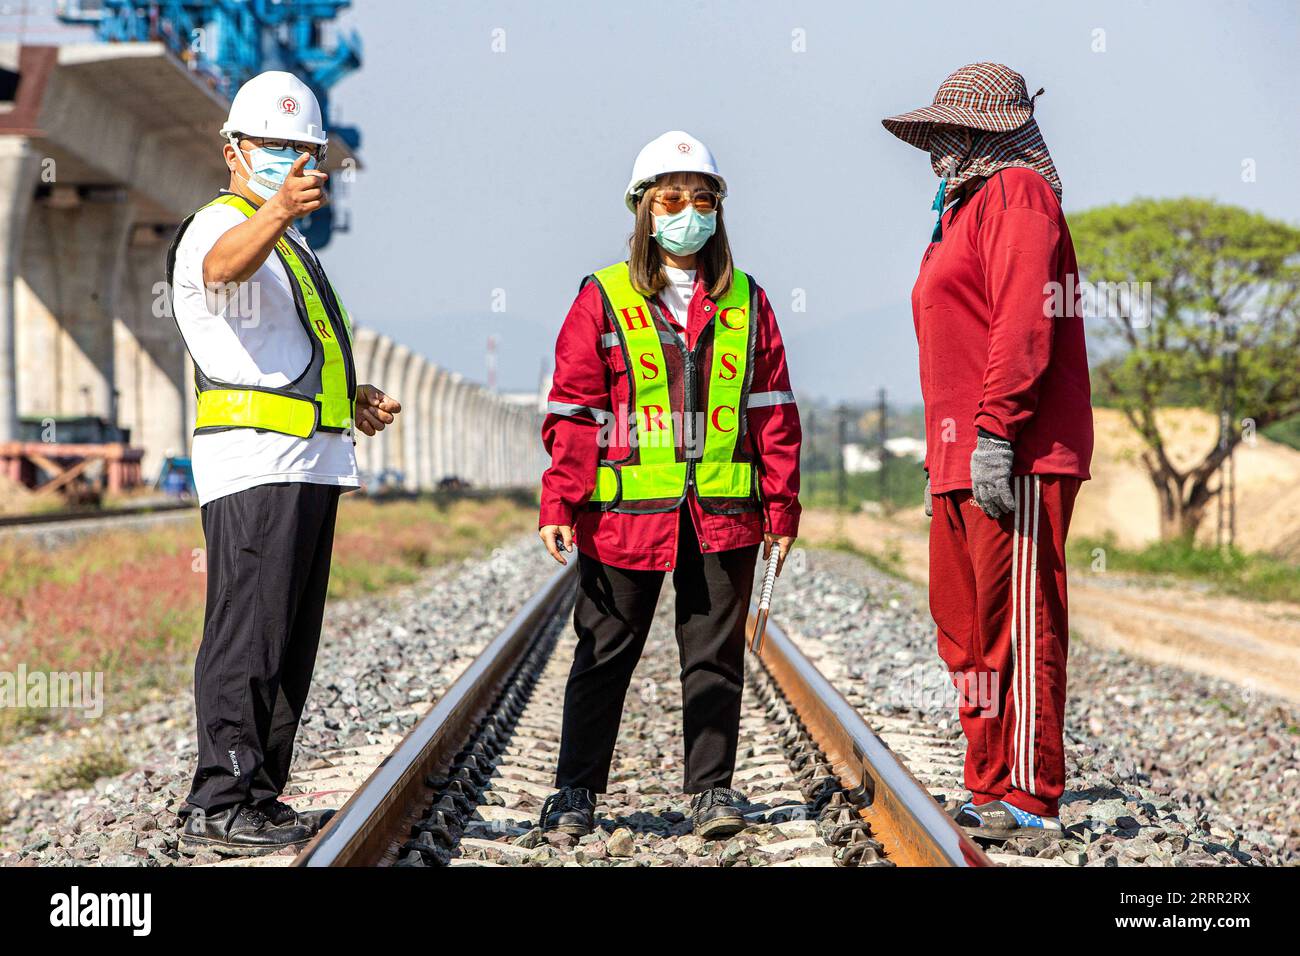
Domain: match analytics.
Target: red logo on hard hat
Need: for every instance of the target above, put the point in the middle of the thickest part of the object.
(289, 106)
(683, 147)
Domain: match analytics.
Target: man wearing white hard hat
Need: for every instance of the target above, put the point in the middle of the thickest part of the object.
(273, 450)
(674, 442)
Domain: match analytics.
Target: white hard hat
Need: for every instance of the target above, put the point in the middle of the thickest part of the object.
(673, 152)
(276, 105)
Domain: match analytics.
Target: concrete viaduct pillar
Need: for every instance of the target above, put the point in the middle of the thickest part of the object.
(451, 436)
(19, 166)
(475, 432)
(74, 254)
(524, 440)
(394, 384)
(412, 431)
(467, 425)
(500, 437)
(378, 374)
(427, 390)
(364, 343)
(149, 355)
(438, 425)
(481, 437)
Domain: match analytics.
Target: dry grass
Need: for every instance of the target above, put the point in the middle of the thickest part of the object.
(130, 603)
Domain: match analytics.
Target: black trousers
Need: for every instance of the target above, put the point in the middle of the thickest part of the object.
(268, 572)
(612, 617)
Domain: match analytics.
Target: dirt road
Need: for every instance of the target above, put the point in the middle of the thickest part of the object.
(1255, 645)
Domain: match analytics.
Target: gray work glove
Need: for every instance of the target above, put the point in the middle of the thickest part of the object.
(990, 475)
(929, 503)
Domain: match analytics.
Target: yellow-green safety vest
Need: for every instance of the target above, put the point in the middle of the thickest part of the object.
(322, 397)
(659, 469)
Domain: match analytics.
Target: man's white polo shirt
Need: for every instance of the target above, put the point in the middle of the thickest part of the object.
(251, 338)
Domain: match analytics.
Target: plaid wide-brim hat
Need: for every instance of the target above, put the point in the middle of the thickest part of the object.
(985, 96)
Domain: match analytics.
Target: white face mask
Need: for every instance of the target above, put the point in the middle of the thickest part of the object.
(267, 169)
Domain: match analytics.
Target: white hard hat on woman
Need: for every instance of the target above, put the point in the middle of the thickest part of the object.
(673, 152)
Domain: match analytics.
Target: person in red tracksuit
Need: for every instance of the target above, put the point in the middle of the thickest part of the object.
(1008, 419)
(674, 443)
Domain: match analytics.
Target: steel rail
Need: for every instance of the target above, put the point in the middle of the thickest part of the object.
(362, 832)
(63, 518)
(907, 821)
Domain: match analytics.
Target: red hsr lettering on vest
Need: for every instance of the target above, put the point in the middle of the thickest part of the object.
(635, 313)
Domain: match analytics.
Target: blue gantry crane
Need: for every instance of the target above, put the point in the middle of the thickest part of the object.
(229, 41)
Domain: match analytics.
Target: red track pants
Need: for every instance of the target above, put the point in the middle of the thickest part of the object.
(997, 594)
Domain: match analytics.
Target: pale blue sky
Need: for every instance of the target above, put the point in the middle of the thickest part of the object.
(505, 170)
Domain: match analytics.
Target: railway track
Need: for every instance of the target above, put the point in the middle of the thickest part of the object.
(91, 517)
(465, 786)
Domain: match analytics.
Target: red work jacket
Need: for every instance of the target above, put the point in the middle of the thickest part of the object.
(1000, 330)
(590, 380)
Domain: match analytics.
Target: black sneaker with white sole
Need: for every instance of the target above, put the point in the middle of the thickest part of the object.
(239, 831)
(718, 812)
(570, 810)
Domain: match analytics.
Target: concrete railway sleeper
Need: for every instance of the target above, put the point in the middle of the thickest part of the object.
(466, 786)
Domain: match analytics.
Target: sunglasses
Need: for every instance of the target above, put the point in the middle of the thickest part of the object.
(317, 152)
(674, 199)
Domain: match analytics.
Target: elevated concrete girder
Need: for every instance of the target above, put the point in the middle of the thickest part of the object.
(130, 115)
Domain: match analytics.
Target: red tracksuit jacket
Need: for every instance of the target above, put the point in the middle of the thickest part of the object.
(993, 354)
(590, 374)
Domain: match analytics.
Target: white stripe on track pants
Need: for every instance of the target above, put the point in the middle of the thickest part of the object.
(998, 597)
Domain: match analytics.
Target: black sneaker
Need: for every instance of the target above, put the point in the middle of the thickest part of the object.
(570, 810)
(718, 813)
(239, 831)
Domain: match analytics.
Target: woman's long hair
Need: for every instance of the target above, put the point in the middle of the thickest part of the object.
(645, 264)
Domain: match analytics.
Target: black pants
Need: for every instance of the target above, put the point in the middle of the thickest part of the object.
(268, 572)
(612, 618)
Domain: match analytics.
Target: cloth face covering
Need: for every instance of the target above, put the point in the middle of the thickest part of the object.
(959, 155)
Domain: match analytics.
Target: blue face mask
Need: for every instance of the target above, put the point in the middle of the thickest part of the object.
(267, 169)
(686, 232)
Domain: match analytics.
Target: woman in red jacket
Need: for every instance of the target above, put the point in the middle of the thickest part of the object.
(674, 443)
(1008, 424)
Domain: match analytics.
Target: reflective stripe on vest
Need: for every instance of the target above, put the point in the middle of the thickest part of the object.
(289, 410)
(657, 480)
